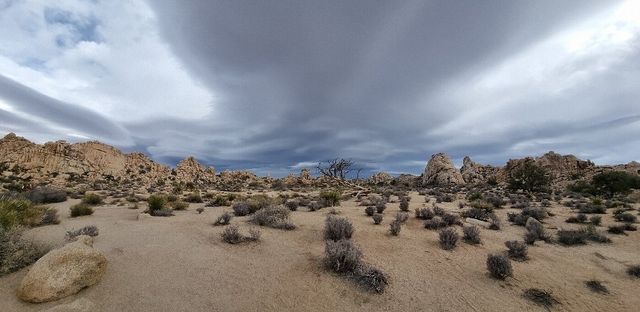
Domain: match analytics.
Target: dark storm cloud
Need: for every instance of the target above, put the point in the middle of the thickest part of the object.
(309, 80)
(63, 115)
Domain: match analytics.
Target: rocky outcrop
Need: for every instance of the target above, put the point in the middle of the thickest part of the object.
(473, 172)
(380, 178)
(441, 172)
(190, 170)
(561, 168)
(63, 272)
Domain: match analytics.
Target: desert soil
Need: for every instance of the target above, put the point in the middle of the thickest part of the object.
(180, 264)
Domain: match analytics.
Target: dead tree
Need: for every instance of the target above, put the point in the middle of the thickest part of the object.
(337, 168)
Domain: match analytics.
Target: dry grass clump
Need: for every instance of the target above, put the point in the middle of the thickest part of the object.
(342, 256)
(499, 266)
(337, 228)
(231, 235)
(179, 205)
(579, 218)
(581, 236)
(223, 219)
(274, 217)
(625, 217)
(435, 223)
(596, 286)
(50, 216)
(535, 232)
(404, 203)
(17, 252)
(517, 250)
(448, 238)
(471, 235)
(81, 209)
(395, 227)
(424, 213)
(541, 297)
(90, 230)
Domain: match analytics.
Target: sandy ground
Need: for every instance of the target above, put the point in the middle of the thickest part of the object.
(181, 264)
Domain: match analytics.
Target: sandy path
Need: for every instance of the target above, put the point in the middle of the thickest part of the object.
(180, 264)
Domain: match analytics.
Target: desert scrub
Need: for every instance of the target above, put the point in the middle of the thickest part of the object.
(395, 227)
(580, 236)
(50, 216)
(471, 235)
(448, 238)
(370, 211)
(193, 198)
(404, 203)
(377, 218)
(330, 198)
(345, 258)
(292, 204)
(90, 230)
(158, 206)
(231, 235)
(424, 213)
(179, 205)
(16, 252)
(337, 228)
(517, 250)
(634, 271)
(80, 209)
(596, 286)
(274, 217)
(535, 232)
(15, 212)
(541, 297)
(223, 219)
(435, 223)
(499, 266)
(92, 199)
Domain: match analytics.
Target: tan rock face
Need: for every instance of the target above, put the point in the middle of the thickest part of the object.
(190, 170)
(380, 178)
(63, 272)
(440, 171)
(473, 172)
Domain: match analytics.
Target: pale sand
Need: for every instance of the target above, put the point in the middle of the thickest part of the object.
(180, 264)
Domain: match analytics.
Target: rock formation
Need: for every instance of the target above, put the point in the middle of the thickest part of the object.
(190, 170)
(441, 172)
(473, 172)
(380, 178)
(63, 272)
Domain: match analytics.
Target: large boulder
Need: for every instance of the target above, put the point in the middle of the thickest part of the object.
(473, 172)
(63, 272)
(440, 171)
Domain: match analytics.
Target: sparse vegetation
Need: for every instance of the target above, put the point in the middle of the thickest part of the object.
(231, 234)
(15, 212)
(330, 198)
(535, 232)
(92, 199)
(223, 219)
(499, 266)
(81, 209)
(395, 227)
(634, 271)
(377, 218)
(529, 177)
(90, 230)
(273, 216)
(517, 250)
(193, 198)
(448, 238)
(596, 286)
(541, 297)
(337, 228)
(16, 252)
(370, 211)
(471, 234)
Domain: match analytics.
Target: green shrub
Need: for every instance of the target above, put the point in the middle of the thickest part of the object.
(330, 198)
(81, 209)
(193, 198)
(615, 182)
(14, 212)
(179, 205)
(156, 202)
(529, 177)
(92, 199)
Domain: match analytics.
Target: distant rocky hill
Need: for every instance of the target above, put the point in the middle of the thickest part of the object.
(563, 168)
(61, 163)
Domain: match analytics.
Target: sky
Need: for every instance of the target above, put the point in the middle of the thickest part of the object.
(276, 86)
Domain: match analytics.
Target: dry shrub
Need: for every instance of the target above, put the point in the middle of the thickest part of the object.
(402, 216)
(50, 216)
(377, 218)
(471, 234)
(634, 271)
(231, 234)
(81, 209)
(273, 216)
(448, 238)
(596, 286)
(424, 213)
(541, 297)
(342, 256)
(535, 232)
(90, 230)
(337, 228)
(16, 252)
(223, 219)
(370, 211)
(92, 199)
(404, 203)
(435, 223)
(499, 266)
(517, 250)
(395, 227)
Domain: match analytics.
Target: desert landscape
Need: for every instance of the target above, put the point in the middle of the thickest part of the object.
(188, 239)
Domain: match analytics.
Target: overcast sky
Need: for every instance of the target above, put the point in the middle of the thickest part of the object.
(274, 86)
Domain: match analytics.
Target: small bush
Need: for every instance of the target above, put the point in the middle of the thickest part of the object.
(156, 202)
(273, 216)
(476, 213)
(494, 222)
(596, 286)
(92, 199)
(616, 229)
(179, 205)
(595, 220)
(380, 206)
(219, 201)
(451, 219)
(435, 223)
(499, 266)
(292, 204)
(634, 271)
(471, 234)
(402, 216)
(200, 210)
(193, 198)
(424, 213)
(592, 208)
(395, 227)
(448, 238)
(529, 177)
(579, 218)
(541, 297)
(370, 211)
(337, 228)
(572, 237)
(46, 195)
(377, 218)
(438, 211)
(50, 216)
(90, 230)
(161, 213)
(223, 219)
(535, 232)
(81, 209)
(241, 209)
(15, 212)
(342, 256)
(404, 204)
(517, 250)
(372, 279)
(626, 217)
(17, 252)
(232, 235)
(331, 198)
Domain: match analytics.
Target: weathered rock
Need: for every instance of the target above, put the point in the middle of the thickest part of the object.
(79, 305)
(63, 272)
(190, 170)
(380, 178)
(440, 171)
(477, 222)
(473, 172)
